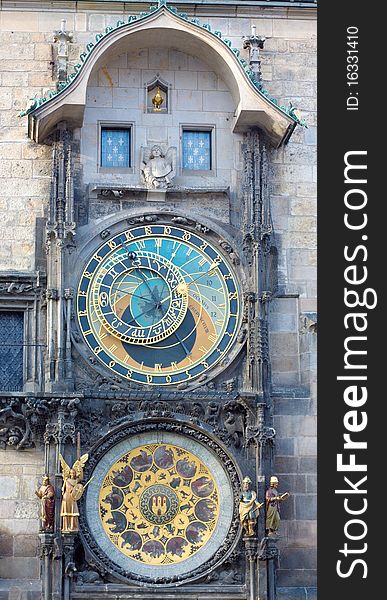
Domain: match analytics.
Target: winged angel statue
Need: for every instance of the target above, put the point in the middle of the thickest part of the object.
(72, 491)
(158, 167)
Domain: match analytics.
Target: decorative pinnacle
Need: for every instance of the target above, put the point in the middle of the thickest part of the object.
(254, 43)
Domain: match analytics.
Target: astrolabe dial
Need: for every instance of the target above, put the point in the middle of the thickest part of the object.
(159, 504)
(140, 299)
(158, 305)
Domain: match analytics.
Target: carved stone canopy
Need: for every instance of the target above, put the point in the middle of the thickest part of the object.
(164, 28)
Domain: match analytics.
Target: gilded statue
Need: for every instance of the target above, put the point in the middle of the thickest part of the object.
(273, 499)
(72, 491)
(158, 168)
(46, 495)
(248, 508)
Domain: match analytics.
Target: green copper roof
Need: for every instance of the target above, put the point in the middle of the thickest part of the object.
(37, 102)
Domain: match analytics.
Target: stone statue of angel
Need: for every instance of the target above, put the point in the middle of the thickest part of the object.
(158, 168)
(72, 491)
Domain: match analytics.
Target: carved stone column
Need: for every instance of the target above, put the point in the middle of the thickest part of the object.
(251, 550)
(59, 230)
(46, 556)
(268, 552)
(68, 542)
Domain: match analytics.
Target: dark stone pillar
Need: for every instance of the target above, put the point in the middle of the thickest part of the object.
(46, 556)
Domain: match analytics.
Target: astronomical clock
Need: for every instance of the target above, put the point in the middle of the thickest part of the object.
(159, 305)
(158, 309)
(154, 377)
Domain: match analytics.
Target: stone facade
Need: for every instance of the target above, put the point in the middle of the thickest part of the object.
(199, 96)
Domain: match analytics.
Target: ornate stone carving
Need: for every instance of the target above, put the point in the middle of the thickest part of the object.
(268, 549)
(158, 167)
(254, 43)
(261, 436)
(308, 323)
(15, 430)
(62, 39)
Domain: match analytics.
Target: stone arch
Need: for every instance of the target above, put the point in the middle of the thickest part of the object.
(164, 28)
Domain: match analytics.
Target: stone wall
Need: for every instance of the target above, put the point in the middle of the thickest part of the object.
(20, 476)
(289, 73)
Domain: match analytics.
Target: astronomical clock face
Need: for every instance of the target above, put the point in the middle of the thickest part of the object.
(158, 305)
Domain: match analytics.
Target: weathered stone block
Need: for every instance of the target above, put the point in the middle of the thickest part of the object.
(26, 545)
(186, 80)
(178, 60)
(311, 483)
(9, 486)
(285, 364)
(108, 76)
(285, 464)
(19, 568)
(100, 96)
(286, 378)
(42, 52)
(26, 509)
(129, 78)
(19, 21)
(6, 545)
(21, 168)
(291, 406)
(158, 58)
(291, 593)
(305, 506)
(297, 577)
(294, 28)
(96, 22)
(299, 558)
(302, 240)
(5, 99)
(32, 150)
(217, 101)
(283, 322)
(125, 98)
(41, 168)
(80, 21)
(307, 446)
(207, 80)
(311, 593)
(284, 446)
(301, 534)
(188, 100)
(295, 426)
(284, 344)
(138, 59)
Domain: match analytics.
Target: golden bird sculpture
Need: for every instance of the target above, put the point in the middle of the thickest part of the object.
(157, 100)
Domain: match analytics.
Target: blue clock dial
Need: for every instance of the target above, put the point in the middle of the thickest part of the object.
(158, 305)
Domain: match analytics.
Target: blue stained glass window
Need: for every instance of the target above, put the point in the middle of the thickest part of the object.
(11, 351)
(197, 150)
(115, 147)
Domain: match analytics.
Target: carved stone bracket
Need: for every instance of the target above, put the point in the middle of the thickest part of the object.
(268, 549)
(260, 436)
